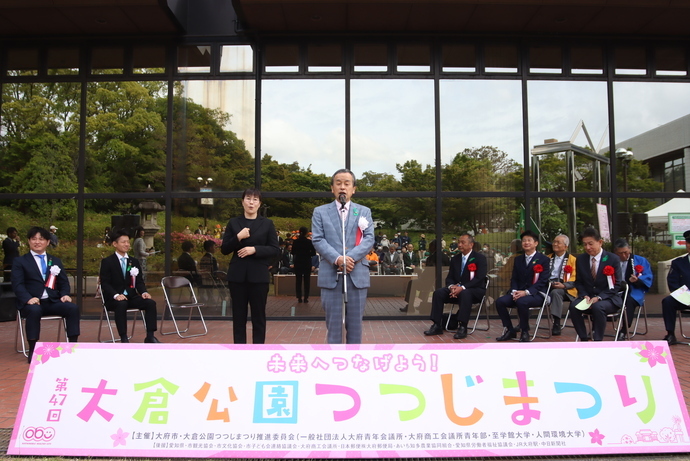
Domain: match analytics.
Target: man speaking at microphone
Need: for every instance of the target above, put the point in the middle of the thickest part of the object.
(327, 236)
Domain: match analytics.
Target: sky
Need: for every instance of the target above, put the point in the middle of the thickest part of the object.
(393, 120)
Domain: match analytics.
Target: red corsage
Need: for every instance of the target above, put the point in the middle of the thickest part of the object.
(567, 270)
(609, 272)
(639, 269)
(538, 269)
(472, 267)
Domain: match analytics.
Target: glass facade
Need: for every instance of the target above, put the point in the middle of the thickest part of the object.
(483, 136)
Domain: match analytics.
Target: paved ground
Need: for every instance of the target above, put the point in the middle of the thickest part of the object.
(13, 366)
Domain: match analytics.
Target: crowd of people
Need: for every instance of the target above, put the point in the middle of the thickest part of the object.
(343, 251)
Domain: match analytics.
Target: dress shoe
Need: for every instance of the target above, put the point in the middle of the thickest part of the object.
(509, 334)
(671, 339)
(306, 300)
(299, 300)
(556, 330)
(124, 339)
(461, 333)
(151, 339)
(524, 337)
(434, 330)
(621, 336)
(403, 309)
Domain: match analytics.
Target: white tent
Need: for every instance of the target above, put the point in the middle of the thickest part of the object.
(659, 215)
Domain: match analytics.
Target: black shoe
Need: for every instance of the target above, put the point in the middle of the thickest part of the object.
(151, 339)
(621, 336)
(556, 330)
(461, 333)
(124, 339)
(306, 300)
(671, 339)
(524, 337)
(434, 330)
(299, 300)
(509, 334)
(403, 309)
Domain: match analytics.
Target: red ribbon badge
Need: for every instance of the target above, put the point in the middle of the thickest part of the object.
(567, 270)
(472, 267)
(538, 269)
(610, 272)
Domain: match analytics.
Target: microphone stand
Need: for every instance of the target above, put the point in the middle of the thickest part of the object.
(342, 200)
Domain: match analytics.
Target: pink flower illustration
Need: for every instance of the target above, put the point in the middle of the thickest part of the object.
(48, 350)
(652, 354)
(597, 437)
(68, 348)
(120, 438)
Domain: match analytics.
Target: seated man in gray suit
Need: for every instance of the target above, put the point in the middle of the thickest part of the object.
(327, 230)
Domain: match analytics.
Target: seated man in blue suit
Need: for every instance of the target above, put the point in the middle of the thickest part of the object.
(528, 285)
(42, 288)
(678, 276)
(328, 222)
(638, 274)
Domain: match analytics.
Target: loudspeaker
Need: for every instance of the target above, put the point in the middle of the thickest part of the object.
(624, 227)
(128, 222)
(640, 223)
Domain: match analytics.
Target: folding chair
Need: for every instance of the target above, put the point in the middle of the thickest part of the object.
(20, 332)
(540, 315)
(479, 311)
(104, 312)
(613, 317)
(680, 321)
(182, 289)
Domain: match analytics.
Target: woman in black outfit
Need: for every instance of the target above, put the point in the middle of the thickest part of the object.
(302, 251)
(253, 240)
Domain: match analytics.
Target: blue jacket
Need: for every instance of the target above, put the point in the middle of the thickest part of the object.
(645, 279)
(326, 227)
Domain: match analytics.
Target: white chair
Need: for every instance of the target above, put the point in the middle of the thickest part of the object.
(20, 332)
(479, 311)
(181, 288)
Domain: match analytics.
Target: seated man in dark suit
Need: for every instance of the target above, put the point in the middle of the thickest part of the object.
(465, 284)
(391, 263)
(42, 288)
(678, 276)
(185, 262)
(528, 285)
(598, 282)
(123, 288)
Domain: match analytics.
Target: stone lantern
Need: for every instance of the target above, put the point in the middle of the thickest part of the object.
(149, 218)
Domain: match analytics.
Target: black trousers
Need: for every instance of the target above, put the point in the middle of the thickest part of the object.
(599, 311)
(669, 307)
(302, 278)
(253, 295)
(32, 314)
(136, 302)
(465, 300)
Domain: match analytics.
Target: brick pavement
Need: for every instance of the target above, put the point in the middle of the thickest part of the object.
(13, 366)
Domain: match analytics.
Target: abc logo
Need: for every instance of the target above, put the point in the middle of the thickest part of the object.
(39, 434)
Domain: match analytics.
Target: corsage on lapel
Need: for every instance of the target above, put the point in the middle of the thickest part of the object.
(52, 275)
(133, 272)
(362, 225)
(610, 274)
(537, 269)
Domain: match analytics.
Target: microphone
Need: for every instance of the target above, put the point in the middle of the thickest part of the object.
(342, 198)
